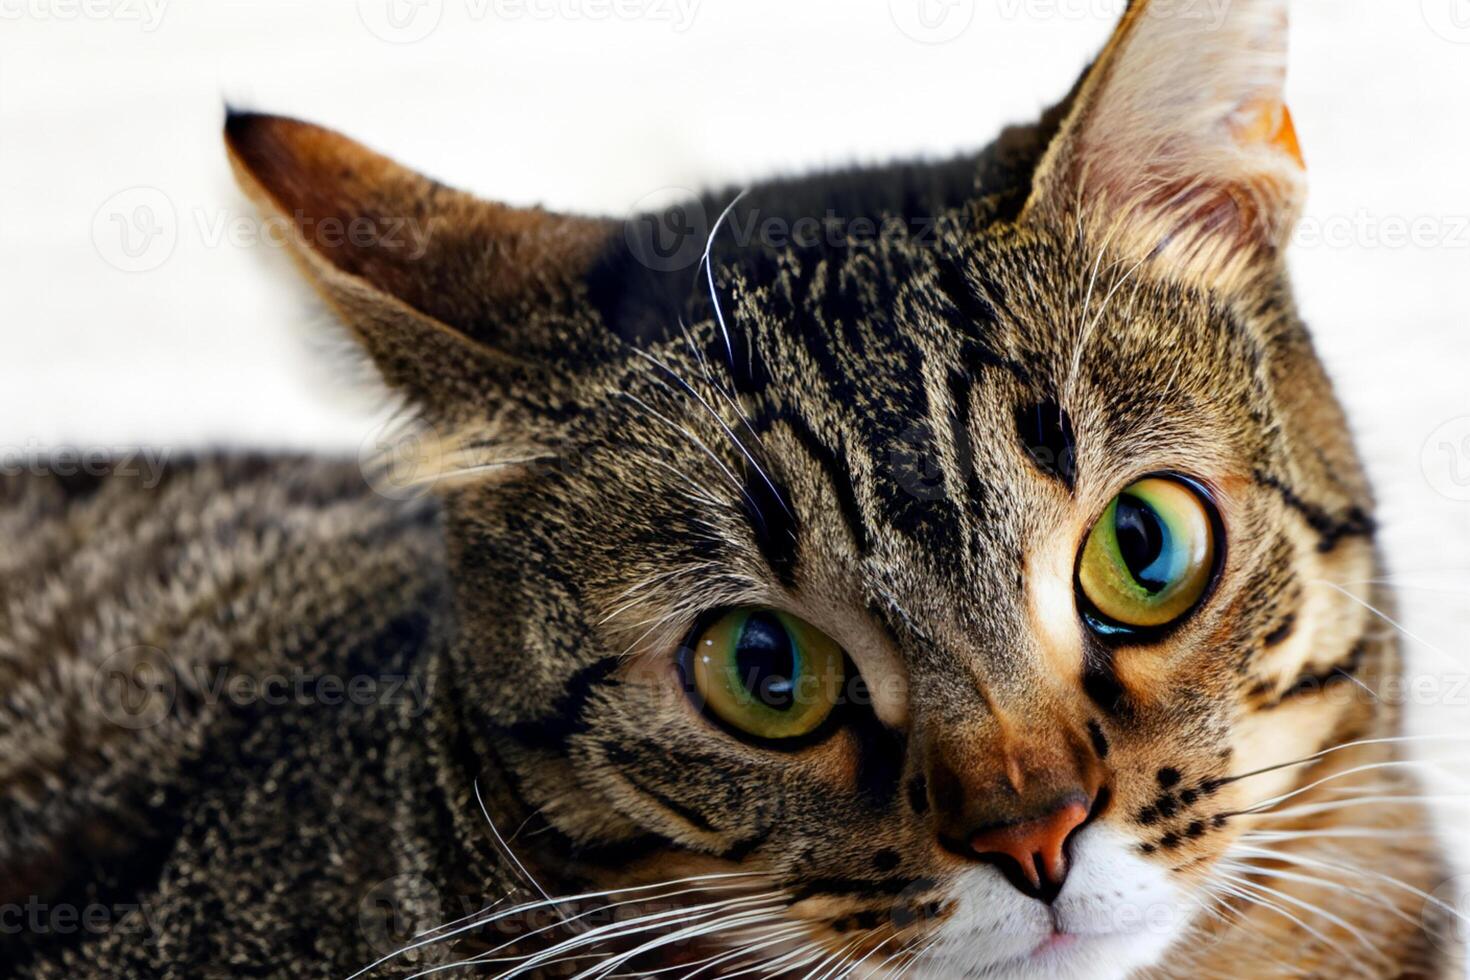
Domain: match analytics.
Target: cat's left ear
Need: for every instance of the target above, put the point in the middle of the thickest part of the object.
(1178, 142)
(455, 299)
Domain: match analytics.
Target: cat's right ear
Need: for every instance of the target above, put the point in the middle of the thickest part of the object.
(1178, 143)
(453, 298)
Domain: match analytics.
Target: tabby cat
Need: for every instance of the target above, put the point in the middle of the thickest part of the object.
(944, 588)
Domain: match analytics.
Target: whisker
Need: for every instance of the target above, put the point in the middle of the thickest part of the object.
(749, 457)
(505, 848)
(687, 933)
(918, 955)
(1335, 885)
(1328, 806)
(1366, 767)
(532, 906)
(1388, 619)
(1290, 858)
(709, 269)
(1304, 760)
(770, 939)
(699, 443)
(838, 956)
(906, 948)
(638, 924)
(1246, 889)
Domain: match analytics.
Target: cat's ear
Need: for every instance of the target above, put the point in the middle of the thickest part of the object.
(1178, 142)
(449, 295)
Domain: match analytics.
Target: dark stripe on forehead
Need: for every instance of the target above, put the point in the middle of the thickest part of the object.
(974, 320)
(959, 382)
(767, 506)
(977, 313)
(910, 489)
(872, 370)
(833, 468)
(1046, 434)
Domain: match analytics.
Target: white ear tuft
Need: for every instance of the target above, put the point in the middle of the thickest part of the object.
(1179, 141)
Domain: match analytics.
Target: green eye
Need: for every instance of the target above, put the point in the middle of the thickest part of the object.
(1150, 557)
(766, 673)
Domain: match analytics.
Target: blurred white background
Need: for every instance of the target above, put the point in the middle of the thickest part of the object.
(138, 305)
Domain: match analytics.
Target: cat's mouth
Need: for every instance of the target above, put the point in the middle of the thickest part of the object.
(1115, 914)
(1059, 953)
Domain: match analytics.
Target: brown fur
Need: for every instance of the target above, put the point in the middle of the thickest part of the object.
(613, 455)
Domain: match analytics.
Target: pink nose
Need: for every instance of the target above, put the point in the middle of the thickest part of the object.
(1033, 852)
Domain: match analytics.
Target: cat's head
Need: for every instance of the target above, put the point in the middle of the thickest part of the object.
(930, 586)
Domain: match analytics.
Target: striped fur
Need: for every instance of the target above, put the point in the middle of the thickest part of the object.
(900, 435)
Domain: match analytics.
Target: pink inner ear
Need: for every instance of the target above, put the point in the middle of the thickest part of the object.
(1269, 122)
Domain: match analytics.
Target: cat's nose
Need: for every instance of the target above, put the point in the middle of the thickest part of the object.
(1032, 853)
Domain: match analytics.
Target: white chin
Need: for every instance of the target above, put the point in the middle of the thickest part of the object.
(1116, 914)
(1076, 958)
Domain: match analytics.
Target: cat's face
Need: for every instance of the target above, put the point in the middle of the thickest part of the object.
(930, 591)
(919, 538)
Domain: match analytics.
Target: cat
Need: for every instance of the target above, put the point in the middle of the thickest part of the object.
(924, 569)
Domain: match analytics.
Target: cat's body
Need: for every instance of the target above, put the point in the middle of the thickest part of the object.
(219, 720)
(900, 433)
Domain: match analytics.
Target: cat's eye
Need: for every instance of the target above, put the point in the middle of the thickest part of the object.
(1150, 558)
(765, 673)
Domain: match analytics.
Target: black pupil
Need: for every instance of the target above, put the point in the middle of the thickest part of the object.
(1140, 539)
(767, 662)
